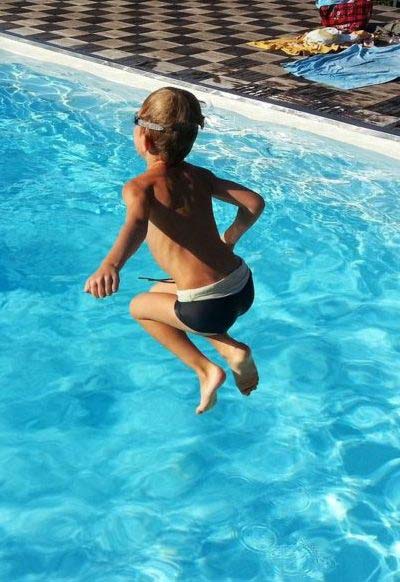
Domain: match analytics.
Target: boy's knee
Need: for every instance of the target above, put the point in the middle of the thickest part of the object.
(134, 306)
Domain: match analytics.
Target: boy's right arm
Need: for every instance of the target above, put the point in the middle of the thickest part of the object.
(250, 206)
(105, 280)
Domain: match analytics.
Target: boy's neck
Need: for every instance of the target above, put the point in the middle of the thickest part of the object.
(152, 161)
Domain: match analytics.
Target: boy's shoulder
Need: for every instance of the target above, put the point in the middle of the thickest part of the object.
(203, 173)
(136, 190)
(138, 185)
(199, 169)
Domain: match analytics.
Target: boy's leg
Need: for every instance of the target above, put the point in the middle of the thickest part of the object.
(155, 313)
(237, 354)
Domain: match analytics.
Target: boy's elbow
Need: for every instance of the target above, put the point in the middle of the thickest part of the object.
(257, 206)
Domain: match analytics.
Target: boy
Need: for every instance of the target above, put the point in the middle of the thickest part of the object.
(170, 205)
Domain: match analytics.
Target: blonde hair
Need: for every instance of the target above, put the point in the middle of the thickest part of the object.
(179, 113)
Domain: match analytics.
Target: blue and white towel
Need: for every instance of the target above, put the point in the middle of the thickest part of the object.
(354, 67)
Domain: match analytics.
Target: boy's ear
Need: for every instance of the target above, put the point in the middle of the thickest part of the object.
(149, 145)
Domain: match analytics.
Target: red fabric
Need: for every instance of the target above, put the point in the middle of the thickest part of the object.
(354, 16)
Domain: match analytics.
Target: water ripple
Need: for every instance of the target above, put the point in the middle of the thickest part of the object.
(109, 475)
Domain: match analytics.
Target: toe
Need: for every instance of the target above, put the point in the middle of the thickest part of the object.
(202, 407)
(206, 405)
(248, 391)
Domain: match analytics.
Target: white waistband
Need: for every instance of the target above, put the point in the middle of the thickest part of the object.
(232, 283)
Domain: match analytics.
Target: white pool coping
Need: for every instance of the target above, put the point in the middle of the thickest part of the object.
(362, 137)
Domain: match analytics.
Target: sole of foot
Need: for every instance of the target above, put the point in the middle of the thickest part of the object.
(208, 389)
(245, 373)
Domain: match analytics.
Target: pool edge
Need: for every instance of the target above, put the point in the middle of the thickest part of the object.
(343, 132)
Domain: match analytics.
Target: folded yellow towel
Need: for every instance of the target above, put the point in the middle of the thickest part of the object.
(295, 45)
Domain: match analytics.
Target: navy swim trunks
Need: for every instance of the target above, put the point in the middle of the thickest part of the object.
(213, 309)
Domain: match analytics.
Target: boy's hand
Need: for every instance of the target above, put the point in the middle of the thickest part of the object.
(105, 281)
(228, 244)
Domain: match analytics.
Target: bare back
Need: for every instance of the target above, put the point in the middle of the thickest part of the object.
(182, 234)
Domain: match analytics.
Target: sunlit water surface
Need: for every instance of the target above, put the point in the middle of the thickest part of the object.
(107, 473)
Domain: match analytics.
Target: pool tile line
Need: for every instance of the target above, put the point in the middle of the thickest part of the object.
(335, 129)
(204, 42)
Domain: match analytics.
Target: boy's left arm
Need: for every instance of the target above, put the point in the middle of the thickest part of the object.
(105, 280)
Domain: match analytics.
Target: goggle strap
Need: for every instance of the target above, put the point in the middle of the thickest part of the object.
(156, 126)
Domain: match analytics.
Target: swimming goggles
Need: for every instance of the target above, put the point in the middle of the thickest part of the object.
(147, 124)
(157, 127)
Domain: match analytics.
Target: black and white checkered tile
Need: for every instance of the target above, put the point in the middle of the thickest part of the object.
(203, 41)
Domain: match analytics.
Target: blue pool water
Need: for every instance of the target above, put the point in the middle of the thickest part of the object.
(107, 473)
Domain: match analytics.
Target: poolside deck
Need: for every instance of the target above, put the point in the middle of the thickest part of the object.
(204, 41)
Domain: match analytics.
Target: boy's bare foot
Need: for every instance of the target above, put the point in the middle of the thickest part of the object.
(243, 368)
(209, 384)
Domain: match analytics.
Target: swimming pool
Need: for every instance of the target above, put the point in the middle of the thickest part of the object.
(109, 475)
